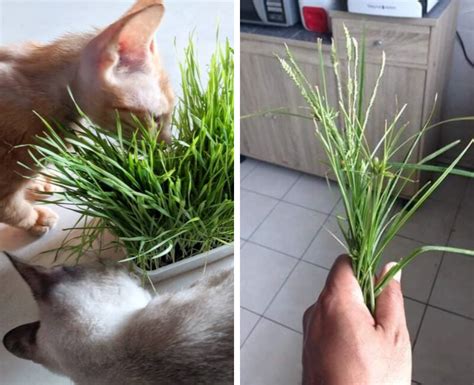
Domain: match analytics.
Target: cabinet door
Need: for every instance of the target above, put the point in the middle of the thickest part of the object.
(403, 44)
(285, 140)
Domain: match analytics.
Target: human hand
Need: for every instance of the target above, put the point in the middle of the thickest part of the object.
(345, 345)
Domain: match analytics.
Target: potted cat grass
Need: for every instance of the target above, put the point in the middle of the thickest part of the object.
(170, 206)
(370, 178)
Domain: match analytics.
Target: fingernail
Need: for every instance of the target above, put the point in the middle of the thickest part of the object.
(398, 276)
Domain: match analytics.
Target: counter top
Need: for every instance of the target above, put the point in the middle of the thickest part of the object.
(297, 32)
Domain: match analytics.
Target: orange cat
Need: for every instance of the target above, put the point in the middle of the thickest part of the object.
(116, 70)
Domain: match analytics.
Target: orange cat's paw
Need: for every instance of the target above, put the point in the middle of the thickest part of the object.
(46, 220)
(39, 188)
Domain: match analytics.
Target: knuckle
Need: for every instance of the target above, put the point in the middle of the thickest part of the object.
(328, 302)
(401, 336)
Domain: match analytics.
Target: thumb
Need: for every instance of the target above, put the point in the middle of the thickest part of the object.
(341, 280)
(389, 310)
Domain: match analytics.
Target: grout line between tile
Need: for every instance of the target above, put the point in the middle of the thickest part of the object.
(297, 258)
(281, 287)
(282, 325)
(309, 262)
(272, 249)
(292, 185)
(412, 239)
(251, 331)
(291, 272)
(437, 273)
(267, 195)
(254, 326)
(251, 311)
(251, 170)
(294, 268)
(426, 304)
(291, 203)
(331, 213)
(272, 320)
(250, 236)
(438, 308)
(314, 237)
(450, 312)
(315, 264)
(271, 211)
(263, 316)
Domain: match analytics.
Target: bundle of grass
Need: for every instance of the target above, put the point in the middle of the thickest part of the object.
(163, 202)
(369, 177)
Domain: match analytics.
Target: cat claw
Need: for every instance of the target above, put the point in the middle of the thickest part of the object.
(39, 189)
(45, 221)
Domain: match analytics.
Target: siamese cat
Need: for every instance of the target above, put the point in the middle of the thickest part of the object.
(115, 70)
(98, 326)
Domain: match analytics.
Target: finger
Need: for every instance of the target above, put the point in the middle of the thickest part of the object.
(341, 280)
(389, 310)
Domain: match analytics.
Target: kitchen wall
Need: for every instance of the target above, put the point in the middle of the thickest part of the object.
(45, 20)
(459, 98)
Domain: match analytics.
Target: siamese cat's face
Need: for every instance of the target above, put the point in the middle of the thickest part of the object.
(120, 70)
(79, 308)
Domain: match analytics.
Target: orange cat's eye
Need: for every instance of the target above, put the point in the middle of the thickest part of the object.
(130, 110)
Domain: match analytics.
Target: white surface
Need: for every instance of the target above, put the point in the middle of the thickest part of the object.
(43, 21)
(394, 8)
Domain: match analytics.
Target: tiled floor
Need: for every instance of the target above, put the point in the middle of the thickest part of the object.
(286, 253)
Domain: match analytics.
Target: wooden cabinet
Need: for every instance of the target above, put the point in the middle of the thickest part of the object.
(286, 140)
(417, 51)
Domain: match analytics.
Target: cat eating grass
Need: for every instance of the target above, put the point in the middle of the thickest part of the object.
(117, 70)
(98, 326)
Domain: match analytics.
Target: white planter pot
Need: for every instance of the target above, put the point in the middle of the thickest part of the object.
(188, 264)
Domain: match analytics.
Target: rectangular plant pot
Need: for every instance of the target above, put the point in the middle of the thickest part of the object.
(188, 264)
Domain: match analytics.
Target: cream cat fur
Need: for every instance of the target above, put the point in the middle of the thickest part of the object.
(99, 327)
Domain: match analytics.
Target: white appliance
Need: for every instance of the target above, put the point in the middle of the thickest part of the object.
(395, 8)
(314, 14)
(269, 12)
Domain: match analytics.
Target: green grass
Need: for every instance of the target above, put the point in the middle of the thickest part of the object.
(163, 202)
(370, 177)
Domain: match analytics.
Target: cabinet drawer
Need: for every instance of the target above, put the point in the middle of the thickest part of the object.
(404, 44)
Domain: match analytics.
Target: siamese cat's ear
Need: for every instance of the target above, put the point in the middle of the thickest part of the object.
(40, 279)
(128, 44)
(21, 341)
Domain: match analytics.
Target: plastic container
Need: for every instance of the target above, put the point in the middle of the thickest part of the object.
(188, 264)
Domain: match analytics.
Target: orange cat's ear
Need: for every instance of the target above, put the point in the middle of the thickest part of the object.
(129, 42)
(141, 4)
